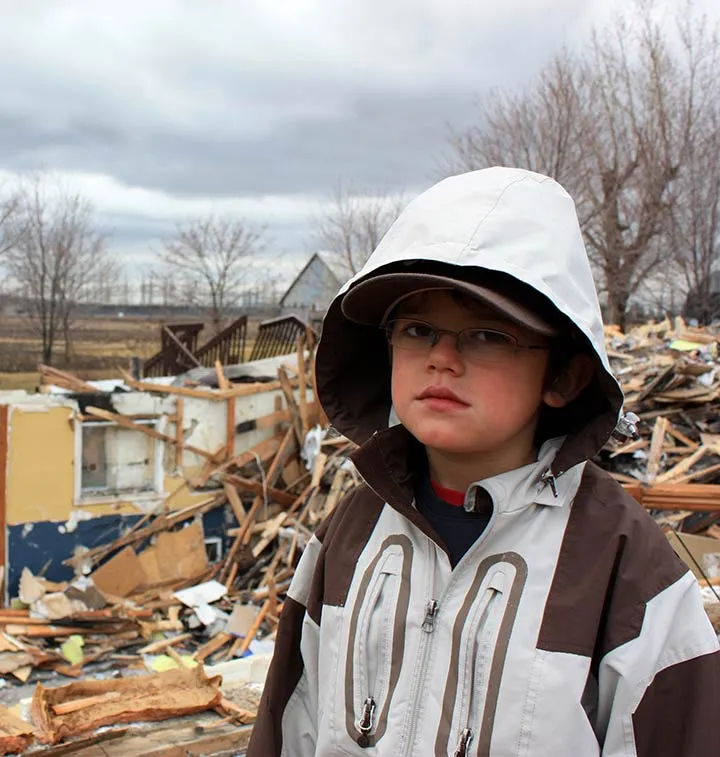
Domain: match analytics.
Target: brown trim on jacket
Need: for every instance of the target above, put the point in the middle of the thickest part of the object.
(282, 679)
(347, 535)
(684, 693)
(596, 571)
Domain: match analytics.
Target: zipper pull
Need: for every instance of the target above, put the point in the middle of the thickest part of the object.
(548, 478)
(368, 714)
(431, 611)
(466, 738)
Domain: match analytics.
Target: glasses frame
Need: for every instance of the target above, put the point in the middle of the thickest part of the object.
(438, 333)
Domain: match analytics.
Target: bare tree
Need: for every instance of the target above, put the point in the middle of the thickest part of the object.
(695, 212)
(538, 127)
(210, 258)
(614, 124)
(354, 225)
(9, 228)
(56, 251)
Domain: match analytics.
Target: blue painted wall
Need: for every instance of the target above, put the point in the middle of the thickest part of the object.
(44, 547)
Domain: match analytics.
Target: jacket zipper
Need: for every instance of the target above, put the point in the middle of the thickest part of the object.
(428, 625)
(466, 738)
(431, 611)
(466, 735)
(367, 722)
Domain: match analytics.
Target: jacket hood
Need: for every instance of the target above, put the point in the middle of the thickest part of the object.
(497, 225)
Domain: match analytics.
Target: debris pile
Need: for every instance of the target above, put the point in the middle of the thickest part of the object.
(670, 374)
(154, 601)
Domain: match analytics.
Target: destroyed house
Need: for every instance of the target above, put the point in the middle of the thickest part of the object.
(79, 468)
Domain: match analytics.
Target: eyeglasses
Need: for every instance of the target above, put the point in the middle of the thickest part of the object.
(476, 345)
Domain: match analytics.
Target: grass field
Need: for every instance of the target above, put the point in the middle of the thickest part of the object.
(98, 347)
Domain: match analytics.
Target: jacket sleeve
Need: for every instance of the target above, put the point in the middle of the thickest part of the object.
(659, 693)
(286, 724)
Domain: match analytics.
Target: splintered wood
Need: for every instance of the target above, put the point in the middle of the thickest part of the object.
(15, 734)
(274, 493)
(669, 374)
(85, 706)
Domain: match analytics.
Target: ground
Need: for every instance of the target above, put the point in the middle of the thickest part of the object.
(98, 347)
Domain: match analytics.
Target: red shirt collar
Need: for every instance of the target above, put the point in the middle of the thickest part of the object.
(451, 496)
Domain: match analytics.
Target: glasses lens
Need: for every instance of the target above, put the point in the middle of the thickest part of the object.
(411, 335)
(487, 346)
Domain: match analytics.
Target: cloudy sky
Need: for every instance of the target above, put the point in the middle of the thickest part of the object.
(165, 109)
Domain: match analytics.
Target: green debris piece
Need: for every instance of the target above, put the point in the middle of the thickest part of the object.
(17, 604)
(682, 345)
(72, 649)
(162, 662)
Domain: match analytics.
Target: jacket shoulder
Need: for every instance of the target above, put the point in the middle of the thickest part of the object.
(613, 560)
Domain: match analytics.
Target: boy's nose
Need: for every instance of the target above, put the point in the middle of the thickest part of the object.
(445, 356)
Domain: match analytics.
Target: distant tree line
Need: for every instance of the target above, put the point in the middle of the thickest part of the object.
(629, 123)
(55, 257)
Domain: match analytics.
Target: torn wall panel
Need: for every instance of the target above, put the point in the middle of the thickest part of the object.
(44, 546)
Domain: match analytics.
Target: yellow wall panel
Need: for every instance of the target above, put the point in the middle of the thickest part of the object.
(40, 474)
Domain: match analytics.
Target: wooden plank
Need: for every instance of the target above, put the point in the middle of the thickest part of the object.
(70, 380)
(183, 391)
(656, 445)
(212, 646)
(121, 420)
(683, 466)
(302, 385)
(230, 427)
(179, 436)
(75, 705)
(83, 747)
(262, 451)
(189, 355)
(236, 504)
(223, 382)
(159, 646)
(246, 484)
(676, 434)
(230, 567)
(291, 404)
(688, 477)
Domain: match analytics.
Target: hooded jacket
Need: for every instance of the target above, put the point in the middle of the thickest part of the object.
(569, 628)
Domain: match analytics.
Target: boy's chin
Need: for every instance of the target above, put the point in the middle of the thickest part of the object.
(448, 443)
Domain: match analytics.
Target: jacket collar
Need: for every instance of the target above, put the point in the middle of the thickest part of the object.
(389, 461)
(531, 484)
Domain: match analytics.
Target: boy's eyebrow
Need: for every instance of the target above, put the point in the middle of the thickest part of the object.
(495, 318)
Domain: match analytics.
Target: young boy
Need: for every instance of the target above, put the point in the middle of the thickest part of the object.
(488, 591)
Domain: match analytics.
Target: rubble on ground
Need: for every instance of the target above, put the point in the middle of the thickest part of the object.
(152, 603)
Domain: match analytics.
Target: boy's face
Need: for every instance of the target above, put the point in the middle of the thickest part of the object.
(496, 409)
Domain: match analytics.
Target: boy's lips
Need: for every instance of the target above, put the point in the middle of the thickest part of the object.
(440, 393)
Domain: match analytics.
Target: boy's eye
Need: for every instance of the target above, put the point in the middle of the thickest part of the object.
(488, 337)
(416, 330)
